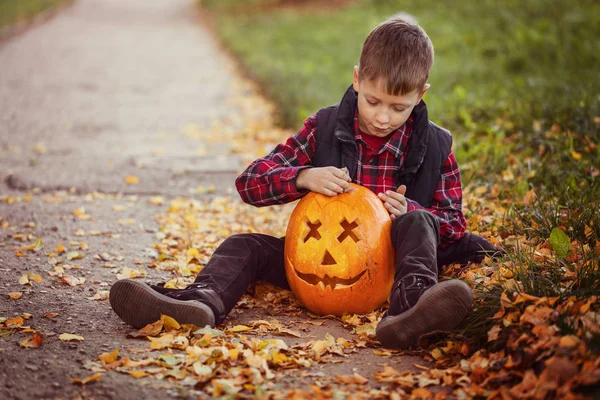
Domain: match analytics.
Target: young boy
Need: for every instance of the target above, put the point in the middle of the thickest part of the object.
(381, 134)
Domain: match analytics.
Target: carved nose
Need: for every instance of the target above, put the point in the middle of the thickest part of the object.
(328, 259)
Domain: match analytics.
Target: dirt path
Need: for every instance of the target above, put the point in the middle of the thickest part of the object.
(106, 90)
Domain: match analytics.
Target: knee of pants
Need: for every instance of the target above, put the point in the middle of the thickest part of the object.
(240, 241)
(415, 217)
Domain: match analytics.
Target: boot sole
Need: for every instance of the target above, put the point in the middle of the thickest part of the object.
(441, 308)
(139, 305)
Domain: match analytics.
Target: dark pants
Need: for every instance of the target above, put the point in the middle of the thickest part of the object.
(244, 258)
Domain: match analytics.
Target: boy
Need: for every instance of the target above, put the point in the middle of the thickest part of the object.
(380, 133)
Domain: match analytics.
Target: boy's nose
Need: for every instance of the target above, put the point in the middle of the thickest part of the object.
(382, 118)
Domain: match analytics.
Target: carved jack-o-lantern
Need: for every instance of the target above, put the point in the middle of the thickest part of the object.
(338, 252)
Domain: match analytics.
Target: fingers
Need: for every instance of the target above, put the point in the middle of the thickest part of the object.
(401, 190)
(395, 197)
(394, 202)
(341, 173)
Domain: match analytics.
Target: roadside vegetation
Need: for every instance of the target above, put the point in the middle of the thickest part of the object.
(16, 11)
(517, 84)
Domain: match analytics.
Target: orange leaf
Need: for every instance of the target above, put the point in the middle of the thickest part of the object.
(15, 295)
(152, 329)
(350, 379)
(132, 180)
(60, 248)
(34, 342)
(109, 358)
(88, 379)
(14, 322)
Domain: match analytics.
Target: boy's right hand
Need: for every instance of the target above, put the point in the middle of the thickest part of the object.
(325, 180)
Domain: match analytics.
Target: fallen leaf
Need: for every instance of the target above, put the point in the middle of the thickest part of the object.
(169, 324)
(100, 295)
(29, 277)
(69, 337)
(239, 328)
(132, 180)
(109, 358)
(152, 329)
(351, 379)
(60, 248)
(92, 378)
(49, 315)
(14, 322)
(72, 281)
(568, 341)
(34, 342)
(80, 213)
(15, 295)
(74, 255)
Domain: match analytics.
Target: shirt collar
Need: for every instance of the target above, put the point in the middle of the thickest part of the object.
(396, 143)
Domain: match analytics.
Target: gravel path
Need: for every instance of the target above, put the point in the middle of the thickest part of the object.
(105, 90)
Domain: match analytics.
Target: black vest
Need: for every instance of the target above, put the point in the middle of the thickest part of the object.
(428, 145)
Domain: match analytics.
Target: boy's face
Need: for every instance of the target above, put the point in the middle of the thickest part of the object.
(380, 113)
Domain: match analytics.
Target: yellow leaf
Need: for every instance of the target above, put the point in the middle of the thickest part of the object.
(169, 323)
(437, 353)
(24, 280)
(161, 342)
(138, 374)
(156, 200)
(279, 358)
(132, 180)
(576, 156)
(69, 337)
(60, 249)
(15, 295)
(88, 379)
(240, 328)
(74, 255)
(109, 358)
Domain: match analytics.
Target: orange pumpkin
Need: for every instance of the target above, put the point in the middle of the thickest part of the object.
(338, 252)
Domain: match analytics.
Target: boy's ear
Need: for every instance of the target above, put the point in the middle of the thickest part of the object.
(355, 78)
(427, 86)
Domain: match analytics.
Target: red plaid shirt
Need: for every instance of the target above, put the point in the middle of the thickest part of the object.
(272, 179)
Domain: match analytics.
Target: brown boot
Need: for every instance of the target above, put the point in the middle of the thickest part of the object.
(441, 307)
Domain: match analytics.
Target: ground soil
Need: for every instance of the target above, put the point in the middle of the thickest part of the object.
(85, 100)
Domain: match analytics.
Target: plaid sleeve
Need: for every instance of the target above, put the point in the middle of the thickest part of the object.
(447, 203)
(271, 179)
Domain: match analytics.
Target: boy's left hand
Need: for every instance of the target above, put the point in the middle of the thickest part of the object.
(395, 202)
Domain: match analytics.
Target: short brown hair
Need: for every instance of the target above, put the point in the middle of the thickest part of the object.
(399, 51)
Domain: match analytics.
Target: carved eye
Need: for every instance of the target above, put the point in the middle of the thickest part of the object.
(314, 231)
(348, 228)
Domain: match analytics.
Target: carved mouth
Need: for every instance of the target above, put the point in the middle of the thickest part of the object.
(332, 282)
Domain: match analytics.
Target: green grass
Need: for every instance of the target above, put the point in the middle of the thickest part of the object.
(15, 11)
(517, 60)
(515, 81)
